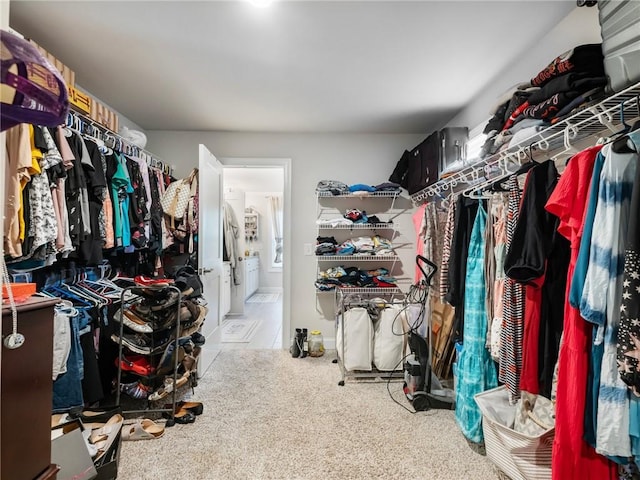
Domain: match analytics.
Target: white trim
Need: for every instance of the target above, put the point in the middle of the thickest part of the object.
(286, 165)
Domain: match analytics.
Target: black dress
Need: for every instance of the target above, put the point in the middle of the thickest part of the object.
(539, 258)
(466, 210)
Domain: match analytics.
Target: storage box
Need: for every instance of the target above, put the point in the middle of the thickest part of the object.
(20, 291)
(104, 116)
(518, 455)
(70, 453)
(79, 100)
(67, 74)
(620, 27)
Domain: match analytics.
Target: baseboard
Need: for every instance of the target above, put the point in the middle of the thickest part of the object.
(329, 343)
(269, 290)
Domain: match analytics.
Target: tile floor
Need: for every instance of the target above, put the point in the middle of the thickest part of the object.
(268, 334)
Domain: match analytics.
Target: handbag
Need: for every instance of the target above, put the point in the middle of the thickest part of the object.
(176, 197)
(535, 415)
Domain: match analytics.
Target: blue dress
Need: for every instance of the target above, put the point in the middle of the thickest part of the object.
(476, 371)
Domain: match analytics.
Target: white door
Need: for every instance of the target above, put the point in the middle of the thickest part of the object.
(210, 253)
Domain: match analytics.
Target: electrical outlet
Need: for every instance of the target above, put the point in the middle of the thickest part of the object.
(308, 249)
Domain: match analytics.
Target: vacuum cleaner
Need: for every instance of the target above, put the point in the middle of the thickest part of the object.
(421, 386)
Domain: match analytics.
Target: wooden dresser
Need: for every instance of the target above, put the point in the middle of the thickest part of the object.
(26, 395)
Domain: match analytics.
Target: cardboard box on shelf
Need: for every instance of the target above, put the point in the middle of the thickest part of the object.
(104, 116)
(68, 75)
(79, 100)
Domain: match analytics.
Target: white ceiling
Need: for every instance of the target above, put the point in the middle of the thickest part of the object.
(296, 66)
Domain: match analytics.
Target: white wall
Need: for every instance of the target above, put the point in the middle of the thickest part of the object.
(351, 158)
(579, 27)
(270, 277)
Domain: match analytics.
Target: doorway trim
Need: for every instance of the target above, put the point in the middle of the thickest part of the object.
(285, 164)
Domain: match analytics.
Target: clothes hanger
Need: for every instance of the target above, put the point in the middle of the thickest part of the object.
(621, 144)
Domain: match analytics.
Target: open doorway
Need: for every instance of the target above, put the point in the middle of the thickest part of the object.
(253, 210)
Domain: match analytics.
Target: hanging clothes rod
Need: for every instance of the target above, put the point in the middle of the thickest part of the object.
(592, 121)
(87, 125)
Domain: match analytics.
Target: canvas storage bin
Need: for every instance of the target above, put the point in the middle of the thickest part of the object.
(357, 341)
(520, 456)
(388, 339)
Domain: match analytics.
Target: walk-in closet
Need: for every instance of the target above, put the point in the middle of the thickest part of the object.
(277, 239)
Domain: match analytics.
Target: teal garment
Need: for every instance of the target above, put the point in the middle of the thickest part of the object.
(582, 263)
(121, 188)
(475, 371)
(634, 427)
(575, 296)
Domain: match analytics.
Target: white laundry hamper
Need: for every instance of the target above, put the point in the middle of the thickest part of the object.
(520, 456)
(357, 341)
(388, 339)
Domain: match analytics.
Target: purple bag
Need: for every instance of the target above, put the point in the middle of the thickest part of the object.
(38, 94)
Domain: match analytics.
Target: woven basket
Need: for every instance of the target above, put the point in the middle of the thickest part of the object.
(520, 456)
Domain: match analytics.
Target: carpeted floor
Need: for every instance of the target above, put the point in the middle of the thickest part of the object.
(270, 416)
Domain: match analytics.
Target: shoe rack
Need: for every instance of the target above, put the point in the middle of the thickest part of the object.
(128, 298)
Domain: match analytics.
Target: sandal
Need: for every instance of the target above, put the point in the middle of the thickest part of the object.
(144, 429)
(102, 431)
(168, 387)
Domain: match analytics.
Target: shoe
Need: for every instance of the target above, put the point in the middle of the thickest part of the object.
(169, 299)
(93, 415)
(137, 364)
(188, 329)
(133, 321)
(136, 390)
(146, 281)
(142, 343)
(108, 436)
(167, 361)
(168, 387)
(295, 348)
(198, 339)
(182, 416)
(194, 407)
(144, 429)
(100, 431)
(188, 281)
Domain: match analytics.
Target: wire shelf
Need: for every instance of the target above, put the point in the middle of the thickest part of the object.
(359, 226)
(356, 258)
(600, 119)
(379, 290)
(359, 195)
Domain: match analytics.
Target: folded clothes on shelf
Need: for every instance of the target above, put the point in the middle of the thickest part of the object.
(345, 277)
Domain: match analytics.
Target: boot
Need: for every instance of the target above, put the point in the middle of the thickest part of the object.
(295, 349)
(304, 344)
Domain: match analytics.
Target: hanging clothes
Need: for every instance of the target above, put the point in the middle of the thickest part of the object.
(512, 329)
(572, 457)
(418, 223)
(446, 249)
(465, 213)
(17, 174)
(231, 231)
(628, 348)
(431, 232)
(499, 207)
(601, 298)
(476, 372)
(539, 257)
